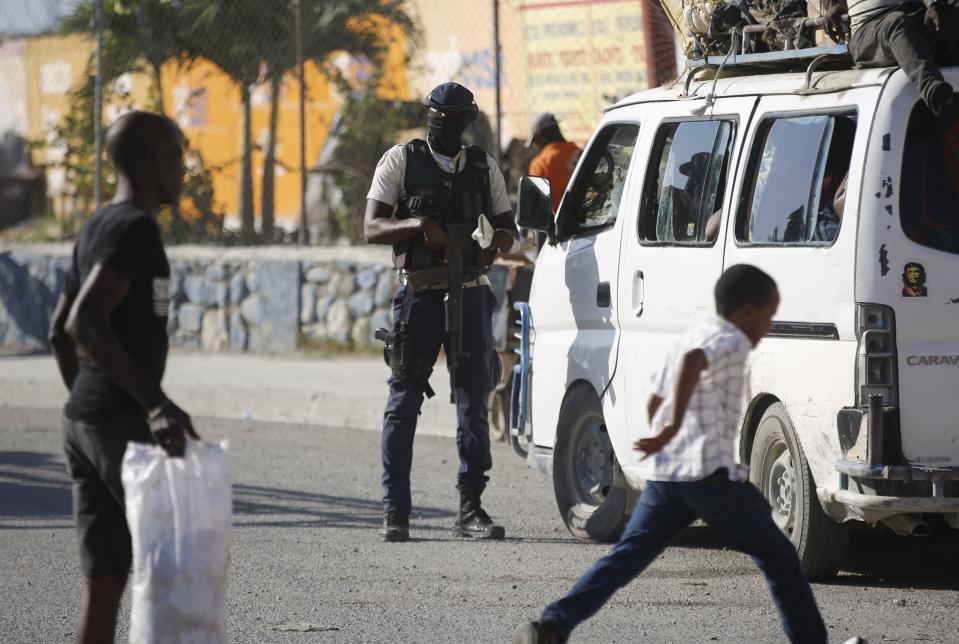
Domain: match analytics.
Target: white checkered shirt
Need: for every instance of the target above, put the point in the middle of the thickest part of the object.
(706, 440)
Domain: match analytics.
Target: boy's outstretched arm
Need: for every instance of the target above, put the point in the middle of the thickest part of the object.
(693, 364)
(653, 406)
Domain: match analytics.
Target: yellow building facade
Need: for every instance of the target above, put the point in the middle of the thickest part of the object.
(569, 57)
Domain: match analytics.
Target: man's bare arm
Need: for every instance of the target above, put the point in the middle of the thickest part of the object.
(380, 227)
(652, 406)
(64, 350)
(505, 220)
(89, 325)
(505, 234)
(693, 364)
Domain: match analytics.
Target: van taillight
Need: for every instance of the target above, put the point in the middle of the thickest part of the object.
(876, 355)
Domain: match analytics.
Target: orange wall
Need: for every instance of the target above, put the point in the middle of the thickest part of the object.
(206, 105)
(205, 102)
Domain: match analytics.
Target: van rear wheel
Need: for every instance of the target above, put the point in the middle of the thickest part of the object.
(778, 467)
(584, 467)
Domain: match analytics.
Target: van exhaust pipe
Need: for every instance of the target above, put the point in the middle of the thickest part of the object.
(907, 525)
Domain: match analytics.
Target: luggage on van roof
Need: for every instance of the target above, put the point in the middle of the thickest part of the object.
(721, 27)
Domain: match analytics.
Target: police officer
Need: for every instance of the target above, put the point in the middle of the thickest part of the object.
(422, 191)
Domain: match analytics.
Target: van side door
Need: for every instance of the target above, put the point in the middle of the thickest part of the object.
(573, 300)
(672, 251)
(795, 218)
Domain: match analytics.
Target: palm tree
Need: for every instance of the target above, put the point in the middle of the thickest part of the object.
(243, 38)
(133, 41)
(232, 34)
(358, 27)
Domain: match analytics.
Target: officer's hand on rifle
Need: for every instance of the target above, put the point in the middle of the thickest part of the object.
(503, 240)
(433, 233)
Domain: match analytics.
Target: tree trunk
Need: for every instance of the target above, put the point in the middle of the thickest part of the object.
(245, 206)
(158, 85)
(267, 208)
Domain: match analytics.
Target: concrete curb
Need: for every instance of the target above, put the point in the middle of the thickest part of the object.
(337, 392)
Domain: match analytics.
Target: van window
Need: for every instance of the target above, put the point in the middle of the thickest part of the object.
(929, 197)
(797, 180)
(593, 201)
(683, 195)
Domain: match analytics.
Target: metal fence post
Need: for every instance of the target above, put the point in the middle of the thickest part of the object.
(301, 233)
(498, 72)
(98, 106)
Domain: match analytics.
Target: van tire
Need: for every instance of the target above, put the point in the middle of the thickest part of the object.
(584, 465)
(778, 467)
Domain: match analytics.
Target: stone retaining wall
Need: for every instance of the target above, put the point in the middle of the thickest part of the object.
(263, 300)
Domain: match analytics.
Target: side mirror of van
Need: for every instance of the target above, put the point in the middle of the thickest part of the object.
(534, 210)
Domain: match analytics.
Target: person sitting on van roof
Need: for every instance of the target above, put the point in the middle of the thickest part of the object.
(892, 32)
(556, 157)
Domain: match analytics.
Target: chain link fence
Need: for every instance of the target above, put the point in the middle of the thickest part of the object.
(271, 158)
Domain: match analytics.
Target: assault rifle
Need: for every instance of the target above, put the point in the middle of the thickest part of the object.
(454, 294)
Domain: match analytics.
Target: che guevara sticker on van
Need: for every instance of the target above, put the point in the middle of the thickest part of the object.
(914, 280)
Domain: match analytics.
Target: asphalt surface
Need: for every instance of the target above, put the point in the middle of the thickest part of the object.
(308, 566)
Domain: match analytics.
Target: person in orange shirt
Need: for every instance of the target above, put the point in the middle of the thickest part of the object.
(556, 157)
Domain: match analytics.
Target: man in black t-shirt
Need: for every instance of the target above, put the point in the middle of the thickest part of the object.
(114, 310)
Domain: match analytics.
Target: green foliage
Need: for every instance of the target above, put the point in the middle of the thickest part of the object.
(196, 220)
(367, 127)
(251, 41)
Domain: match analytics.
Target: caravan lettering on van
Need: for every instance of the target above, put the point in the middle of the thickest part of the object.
(922, 361)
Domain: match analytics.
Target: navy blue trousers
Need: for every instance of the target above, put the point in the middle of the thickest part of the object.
(738, 512)
(476, 376)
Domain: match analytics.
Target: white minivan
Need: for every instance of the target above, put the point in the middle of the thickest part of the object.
(841, 185)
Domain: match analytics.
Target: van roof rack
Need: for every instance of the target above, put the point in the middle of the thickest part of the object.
(837, 55)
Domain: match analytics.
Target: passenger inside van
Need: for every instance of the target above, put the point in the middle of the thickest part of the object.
(832, 192)
(686, 202)
(799, 178)
(685, 183)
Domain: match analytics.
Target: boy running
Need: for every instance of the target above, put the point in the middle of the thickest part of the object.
(695, 411)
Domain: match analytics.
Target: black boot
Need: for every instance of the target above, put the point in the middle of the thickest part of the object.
(396, 526)
(472, 520)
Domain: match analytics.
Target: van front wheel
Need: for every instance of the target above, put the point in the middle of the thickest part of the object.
(778, 467)
(584, 467)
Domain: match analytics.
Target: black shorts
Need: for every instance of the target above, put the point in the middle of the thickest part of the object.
(94, 451)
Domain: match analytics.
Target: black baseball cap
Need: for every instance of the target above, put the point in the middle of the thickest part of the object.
(450, 96)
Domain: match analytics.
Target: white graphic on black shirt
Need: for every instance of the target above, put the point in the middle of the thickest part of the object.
(161, 296)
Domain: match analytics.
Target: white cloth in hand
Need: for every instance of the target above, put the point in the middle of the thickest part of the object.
(483, 235)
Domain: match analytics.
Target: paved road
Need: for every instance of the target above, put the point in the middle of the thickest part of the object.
(306, 555)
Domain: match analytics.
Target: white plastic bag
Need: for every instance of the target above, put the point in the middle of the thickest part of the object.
(178, 510)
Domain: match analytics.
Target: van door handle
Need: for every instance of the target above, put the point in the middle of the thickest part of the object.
(603, 299)
(639, 293)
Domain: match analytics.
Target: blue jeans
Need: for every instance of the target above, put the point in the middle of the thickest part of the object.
(735, 510)
(476, 376)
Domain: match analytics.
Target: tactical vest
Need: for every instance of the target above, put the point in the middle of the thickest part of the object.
(460, 197)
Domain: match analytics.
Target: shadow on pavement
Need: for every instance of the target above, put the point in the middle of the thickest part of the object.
(267, 506)
(885, 560)
(876, 558)
(33, 485)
